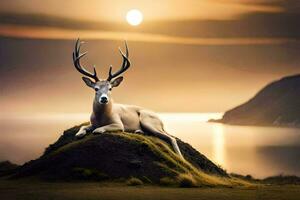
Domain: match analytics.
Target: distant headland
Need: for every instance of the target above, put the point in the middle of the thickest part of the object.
(277, 104)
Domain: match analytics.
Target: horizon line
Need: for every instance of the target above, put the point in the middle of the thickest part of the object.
(82, 115)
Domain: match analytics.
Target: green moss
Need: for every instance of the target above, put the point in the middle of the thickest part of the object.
(167, 181)
(186, 181)
(167, 169)
(145, 179)
(160, 149)
(134, 182)
(88, 174)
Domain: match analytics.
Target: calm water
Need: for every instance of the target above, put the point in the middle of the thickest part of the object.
(259, 151)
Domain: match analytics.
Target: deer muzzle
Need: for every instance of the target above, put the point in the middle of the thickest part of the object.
(103, 99)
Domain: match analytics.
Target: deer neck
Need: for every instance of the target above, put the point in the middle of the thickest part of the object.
(102, 110)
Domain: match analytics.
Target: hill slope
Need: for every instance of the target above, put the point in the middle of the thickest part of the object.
(119, 156)
(276, 104)
(6, 167)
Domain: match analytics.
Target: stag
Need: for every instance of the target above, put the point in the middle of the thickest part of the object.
(108, 116)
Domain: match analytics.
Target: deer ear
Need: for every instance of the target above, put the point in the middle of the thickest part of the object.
(116, 82)
(88, 82)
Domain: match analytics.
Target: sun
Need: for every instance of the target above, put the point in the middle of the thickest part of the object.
(134, 17)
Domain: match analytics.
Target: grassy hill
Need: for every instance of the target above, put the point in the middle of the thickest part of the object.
(125, 157)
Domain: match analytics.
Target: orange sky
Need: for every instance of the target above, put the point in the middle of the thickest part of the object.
(188, 56)
(115, 10)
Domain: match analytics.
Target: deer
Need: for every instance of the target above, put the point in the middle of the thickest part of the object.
(108, 116)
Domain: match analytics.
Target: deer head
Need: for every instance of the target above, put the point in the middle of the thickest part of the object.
(102, 87)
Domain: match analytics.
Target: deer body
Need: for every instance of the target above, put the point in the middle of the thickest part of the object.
(108, 116)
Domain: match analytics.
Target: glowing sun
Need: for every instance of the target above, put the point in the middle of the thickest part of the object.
(134, 17)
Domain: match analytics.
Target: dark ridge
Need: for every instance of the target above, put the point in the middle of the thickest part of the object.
(7, 167)
(277, 104)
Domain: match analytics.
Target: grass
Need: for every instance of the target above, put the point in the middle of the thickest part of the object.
(186, 181)
(88, 174)
(28, 190)
(174, 164)
(134, 182)
(167, 181)
(182, 167)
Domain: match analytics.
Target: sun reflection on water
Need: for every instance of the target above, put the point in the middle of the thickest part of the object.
(219, 145)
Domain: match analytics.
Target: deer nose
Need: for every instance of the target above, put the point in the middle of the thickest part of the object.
(103, 99)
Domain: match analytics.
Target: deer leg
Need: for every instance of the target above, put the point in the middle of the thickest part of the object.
(152, 125)
(109, 128)
(83, 131)
(139, 131)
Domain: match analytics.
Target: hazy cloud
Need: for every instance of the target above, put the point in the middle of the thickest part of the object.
(56, 33)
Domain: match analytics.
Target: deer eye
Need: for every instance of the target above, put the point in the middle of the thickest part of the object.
(96, 89)
(110, 89)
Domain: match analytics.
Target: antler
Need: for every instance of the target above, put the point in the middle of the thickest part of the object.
(124, 67)
(76, 61)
